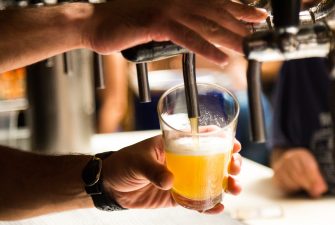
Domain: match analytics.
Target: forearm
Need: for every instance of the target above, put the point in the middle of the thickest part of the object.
(33, 185)
(32, 34)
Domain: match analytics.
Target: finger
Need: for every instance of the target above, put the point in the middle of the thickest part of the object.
(234, 187)
(284, 181)
(245, 12)
(235, 164)
(223, 19)
(319, 187)
(298, 173)
(194, 42)
(218, 208)
(237, 146)
(214, 33)
(156, 173)
(316, 183)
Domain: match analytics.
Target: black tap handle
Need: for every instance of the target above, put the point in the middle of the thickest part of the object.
(257, 124)
(143, 82)
(152, 51)
(331, 93)
(285, 13)
(99, 80)
(65, 63)
(190, 82)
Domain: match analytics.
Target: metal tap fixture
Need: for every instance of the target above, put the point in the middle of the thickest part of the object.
(288, 33)
(291, 34)
(142, 54)
(154, 51)
(61, 100)
(285, 22)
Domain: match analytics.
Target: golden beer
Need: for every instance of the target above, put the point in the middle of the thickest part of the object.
(200, 170)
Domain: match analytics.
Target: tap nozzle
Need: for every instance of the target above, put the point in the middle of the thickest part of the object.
(257, 125)
(143, 82)
(191, 91)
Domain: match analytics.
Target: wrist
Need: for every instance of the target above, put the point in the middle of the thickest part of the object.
(276, 155)
(92, 177)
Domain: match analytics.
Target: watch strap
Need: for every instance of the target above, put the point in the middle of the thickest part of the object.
(93, 179)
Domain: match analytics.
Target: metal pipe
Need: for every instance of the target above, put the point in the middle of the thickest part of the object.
(257, 126)
(143, 82)
(190, 82)
(99, 80)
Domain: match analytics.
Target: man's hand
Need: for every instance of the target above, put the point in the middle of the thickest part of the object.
(296, 169)
(137, 177)
(201, 26)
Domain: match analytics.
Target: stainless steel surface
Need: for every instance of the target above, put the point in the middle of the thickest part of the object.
(99, 79)
(143, 82)
(287, 40)
(309, 41)
(257, 125)
(61, 108)
(190, 82)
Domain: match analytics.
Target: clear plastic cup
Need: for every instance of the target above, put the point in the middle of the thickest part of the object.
(199, 161)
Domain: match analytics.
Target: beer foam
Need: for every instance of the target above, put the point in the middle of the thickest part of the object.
(178, 121)
(199, 145)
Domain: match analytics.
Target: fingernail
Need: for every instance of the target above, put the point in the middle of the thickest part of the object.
(223, 64)
(263, 10)
(318, 190)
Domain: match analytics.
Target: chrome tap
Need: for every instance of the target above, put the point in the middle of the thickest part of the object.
(287, 33)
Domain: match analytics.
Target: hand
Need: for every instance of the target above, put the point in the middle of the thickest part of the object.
(137, 177)
(296, 170)
(198, 25)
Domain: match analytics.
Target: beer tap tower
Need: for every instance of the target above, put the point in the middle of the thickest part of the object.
(61, 99)
(288, 33)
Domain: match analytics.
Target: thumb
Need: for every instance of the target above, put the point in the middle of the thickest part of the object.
(318, 187)
(157, 174)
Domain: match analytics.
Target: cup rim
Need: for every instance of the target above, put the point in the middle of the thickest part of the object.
(198, 84)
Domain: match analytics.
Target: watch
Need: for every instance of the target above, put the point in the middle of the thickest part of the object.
(92, 176)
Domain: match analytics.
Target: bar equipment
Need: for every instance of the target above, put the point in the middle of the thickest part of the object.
(61, 105)
(61, 99)
(288, 33)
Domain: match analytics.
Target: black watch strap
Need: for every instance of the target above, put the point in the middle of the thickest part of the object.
(93, 178)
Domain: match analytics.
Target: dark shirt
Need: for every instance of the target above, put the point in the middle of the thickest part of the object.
(301, 112)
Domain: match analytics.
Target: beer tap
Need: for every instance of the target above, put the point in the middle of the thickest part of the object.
(144, 53)
(154, 51)
(288, 33)
(99, 80)
(295, 35)
(286, 21)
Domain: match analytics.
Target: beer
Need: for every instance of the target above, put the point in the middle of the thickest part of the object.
(194, 123)
(200, 170)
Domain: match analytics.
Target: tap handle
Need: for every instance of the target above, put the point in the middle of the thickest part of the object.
(152, 51)
(285, 13)
(331, 94)
(66, 65)
(99, 77)
(99, 81)
(257, 124)
(143, 82)
(190, 82)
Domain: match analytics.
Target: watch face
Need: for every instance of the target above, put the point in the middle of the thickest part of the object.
(92, 172)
